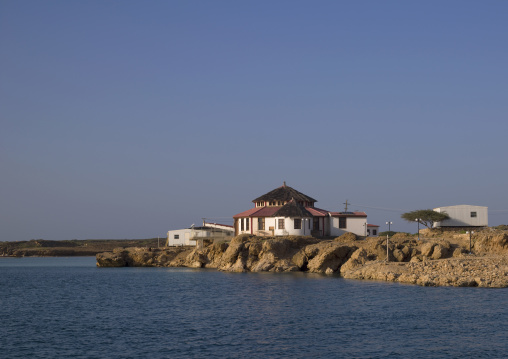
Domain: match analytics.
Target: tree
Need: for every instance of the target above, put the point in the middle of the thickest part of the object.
(427, 217)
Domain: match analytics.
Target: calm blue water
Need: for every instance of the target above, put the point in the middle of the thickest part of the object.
(66, 307)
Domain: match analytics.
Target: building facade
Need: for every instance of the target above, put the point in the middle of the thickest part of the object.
(372, 230)
(193, 236)
(464, 216)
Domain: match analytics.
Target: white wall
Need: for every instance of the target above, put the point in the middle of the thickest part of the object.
(183, 240)
(460, 216)
(372, 229)
(254, 222)
(356, 225)
(289, 227)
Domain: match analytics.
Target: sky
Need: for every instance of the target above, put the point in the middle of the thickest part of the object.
(126, 119)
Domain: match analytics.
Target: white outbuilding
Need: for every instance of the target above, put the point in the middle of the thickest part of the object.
(192, 236)
(372, 230)
(463, 215)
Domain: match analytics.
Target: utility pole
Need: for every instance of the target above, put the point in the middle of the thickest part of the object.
(345, 210)
(470, 233)
(387, 234)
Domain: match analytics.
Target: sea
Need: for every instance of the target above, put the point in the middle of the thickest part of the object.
(69, 308)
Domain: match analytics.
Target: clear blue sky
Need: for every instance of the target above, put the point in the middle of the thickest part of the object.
(126, 119)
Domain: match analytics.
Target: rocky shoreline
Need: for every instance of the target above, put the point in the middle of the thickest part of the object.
(430, 262)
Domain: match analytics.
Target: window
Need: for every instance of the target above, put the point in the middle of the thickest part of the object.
(261, 224)
(368, 232)
(298, 223)
(176, 236)
(374, 231)
(246, 224)
(315, 223)
(473, 214)
(241, 224)
(281, 223)
(342, 222)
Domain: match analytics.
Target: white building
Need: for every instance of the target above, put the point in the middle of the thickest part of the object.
(194, 235)
(286, 211)
(372, 230)
(342, 222)
(464, 216)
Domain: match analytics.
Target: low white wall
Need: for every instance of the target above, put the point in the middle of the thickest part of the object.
(460, 216)
(289, 227)
(182, 240)
(372, 229)
(356, 225)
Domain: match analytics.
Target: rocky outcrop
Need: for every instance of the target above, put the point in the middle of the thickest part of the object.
(431, 262)
(145, 257)
(477, 272)
(243, 253)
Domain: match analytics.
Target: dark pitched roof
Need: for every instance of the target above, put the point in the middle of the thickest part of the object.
(292, 209)
(284, 193)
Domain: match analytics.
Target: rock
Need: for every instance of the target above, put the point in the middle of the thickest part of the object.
(398, 255)
(439, 252)
(233, 252)
(279, 247)
(301, 260)
(458, 252)
(427, 249)
(357, 259)
(494, 242)
(331, 256)
(110, 259)
(346, 237)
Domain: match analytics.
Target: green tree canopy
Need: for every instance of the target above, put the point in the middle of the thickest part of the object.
(427, 217)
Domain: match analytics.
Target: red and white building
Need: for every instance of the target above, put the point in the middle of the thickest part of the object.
(286, 211)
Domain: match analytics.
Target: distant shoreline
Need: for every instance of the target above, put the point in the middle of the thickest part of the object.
(71, 248)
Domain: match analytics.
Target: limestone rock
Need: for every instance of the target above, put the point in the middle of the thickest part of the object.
(427, 249)
(346, 237)
(331, 256)
(357, 259)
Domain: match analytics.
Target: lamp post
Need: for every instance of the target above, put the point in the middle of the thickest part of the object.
(418, 221)
(387, 234)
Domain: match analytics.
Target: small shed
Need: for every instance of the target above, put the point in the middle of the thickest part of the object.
(463, 215)
(372, 230)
